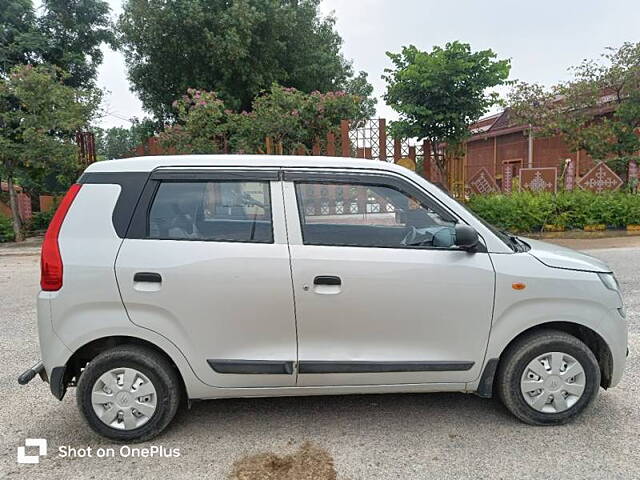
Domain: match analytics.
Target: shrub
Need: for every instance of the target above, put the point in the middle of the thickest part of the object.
(40, 220)
(528, 212)
(6, 230)
(288, 116)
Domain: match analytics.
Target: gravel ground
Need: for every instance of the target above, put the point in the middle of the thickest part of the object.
(424, 436)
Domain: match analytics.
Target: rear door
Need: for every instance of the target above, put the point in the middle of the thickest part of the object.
(206, 264)
(383, 296)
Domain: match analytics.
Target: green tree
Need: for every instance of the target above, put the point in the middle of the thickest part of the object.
(288, 116)
(74, 31)
(118, 142)
(598, 110)
(67, 34)
(360, 86)
(236, 49)
(20, 40)
(293, 118)
(201, 125)
(39, 116)
(438, 94)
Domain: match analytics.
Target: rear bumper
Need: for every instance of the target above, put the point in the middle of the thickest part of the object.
(54, 352)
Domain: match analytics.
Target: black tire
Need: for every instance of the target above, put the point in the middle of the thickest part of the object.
(148, 362)
(523, 351)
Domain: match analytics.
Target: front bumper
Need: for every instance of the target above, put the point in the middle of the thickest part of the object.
(615, 333)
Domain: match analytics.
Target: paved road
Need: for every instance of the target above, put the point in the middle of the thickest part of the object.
(427, 436)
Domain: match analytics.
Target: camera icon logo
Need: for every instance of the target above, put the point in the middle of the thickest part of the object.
(41, 443)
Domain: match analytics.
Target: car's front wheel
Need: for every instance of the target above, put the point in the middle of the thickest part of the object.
(128, 393)
(548, 377)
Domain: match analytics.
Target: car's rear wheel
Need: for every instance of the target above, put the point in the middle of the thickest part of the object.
(548, 377)
(128, 393)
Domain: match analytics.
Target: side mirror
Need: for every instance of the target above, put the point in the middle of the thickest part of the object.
(466, 237)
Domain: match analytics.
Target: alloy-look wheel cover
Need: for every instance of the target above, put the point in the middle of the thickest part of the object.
(124, 398)
(553, 382)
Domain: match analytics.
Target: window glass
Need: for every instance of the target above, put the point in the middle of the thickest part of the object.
(215, 210)
(369, 216)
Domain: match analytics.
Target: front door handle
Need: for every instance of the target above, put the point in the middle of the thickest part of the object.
(327, 280)
(150, 277)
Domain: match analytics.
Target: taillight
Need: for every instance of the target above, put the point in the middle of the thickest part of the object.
(50, 259)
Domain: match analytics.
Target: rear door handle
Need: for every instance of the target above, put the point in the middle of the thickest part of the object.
(327, 280)
(150, 277)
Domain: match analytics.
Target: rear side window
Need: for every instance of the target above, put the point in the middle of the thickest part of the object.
(367, 215)
(223, 211)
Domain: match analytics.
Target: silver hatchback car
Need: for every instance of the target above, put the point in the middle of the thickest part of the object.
(177, 278)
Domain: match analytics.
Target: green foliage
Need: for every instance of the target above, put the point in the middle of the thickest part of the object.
(6, 229)
(296, 119)
(529, 212)
(202, 123)
(20, 40)
(52, 178)
(66, 33)
(118, 142)
(40, 220)
(236, 49)
(39, 116)
(598, 110)
(285, 114)
(360, 87)
(438, 94)
(74, 31)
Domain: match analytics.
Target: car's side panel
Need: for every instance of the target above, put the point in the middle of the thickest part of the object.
(397, 317)
(551, 295)
(221, 303)
(88, 246)
(89, 307)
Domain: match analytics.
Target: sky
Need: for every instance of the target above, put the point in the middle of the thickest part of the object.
(542, 38)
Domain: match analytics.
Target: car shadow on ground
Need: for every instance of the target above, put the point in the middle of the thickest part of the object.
(328, 412)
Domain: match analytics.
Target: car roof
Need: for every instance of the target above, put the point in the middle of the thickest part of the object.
(147, 164)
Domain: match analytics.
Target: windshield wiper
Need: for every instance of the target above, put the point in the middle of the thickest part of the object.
(516, 243)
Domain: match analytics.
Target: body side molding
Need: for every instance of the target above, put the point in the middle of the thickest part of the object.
(252, 367)
(382, 367)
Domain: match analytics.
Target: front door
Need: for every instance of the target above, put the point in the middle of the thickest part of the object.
(382, 294)
(207, 267)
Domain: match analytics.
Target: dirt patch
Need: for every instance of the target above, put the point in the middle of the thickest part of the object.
(310, 462)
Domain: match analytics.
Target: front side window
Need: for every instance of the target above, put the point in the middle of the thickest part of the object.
(222, 211)
(370, 216)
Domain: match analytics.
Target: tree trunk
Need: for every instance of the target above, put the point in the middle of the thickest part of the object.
(15, 213)
(441, 165)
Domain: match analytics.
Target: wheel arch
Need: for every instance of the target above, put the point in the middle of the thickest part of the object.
(592, 339)
(87, 352)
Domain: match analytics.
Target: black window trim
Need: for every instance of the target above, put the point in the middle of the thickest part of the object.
(222, 174)
(132, 185)
(402, 185)
(139, 226)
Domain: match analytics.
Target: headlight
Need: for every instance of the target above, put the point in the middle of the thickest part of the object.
(609, 281)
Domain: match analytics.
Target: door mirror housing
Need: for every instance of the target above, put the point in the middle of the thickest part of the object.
(466, 237)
